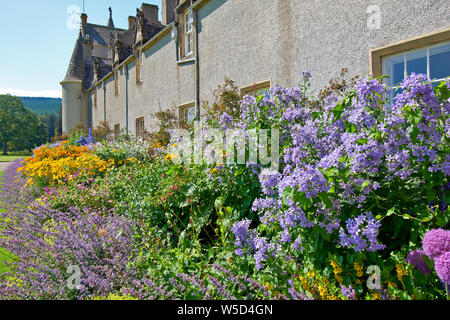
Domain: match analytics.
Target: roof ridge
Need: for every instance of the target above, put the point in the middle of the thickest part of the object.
(106, 27)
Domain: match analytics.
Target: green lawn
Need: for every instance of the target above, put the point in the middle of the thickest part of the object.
(14, 155)
(5, 256)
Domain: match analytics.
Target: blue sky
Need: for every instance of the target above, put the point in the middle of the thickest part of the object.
(36, 43)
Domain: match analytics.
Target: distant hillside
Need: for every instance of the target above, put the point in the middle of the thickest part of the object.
(42, 105)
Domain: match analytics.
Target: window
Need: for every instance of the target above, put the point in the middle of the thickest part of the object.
(255, 88)
(188, 34)
(116, 82)
(140, 128)
(432, 61)
(141, 60)
(116, 130)
(187, 113)
(95, 96)
(139, 66)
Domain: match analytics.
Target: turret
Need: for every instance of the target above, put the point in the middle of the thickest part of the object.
(73, 100)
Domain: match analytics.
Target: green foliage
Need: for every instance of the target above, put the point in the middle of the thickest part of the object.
(19, 128)
(42, 106)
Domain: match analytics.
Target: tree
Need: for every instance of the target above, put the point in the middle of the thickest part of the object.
(34, 134)
(50, 121)
(19, 126)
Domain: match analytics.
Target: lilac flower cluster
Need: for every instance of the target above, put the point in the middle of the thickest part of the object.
(336, 156)
(348, 292)
(417, 259)
(245, 238)
(362, 233)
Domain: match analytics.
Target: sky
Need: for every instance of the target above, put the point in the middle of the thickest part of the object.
(37, 38)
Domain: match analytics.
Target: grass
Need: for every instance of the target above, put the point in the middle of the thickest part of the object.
(14, 155)
(5, 256)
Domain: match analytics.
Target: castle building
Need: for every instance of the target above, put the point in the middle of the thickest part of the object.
(123, 77)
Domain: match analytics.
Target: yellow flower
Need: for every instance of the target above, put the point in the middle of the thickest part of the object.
(376, 296)
(359, 269)
(171, 156)
(323, 291)
(401, 272)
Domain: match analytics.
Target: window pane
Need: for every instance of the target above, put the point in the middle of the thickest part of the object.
(440, 62)
(191, 114)
(395, 69)
(417, 62)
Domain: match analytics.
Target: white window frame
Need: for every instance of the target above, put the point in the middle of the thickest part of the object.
(186, 110)
(188, 33)
(404, 54)
(141, 69)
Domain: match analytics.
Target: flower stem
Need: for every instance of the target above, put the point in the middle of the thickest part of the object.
(447, 291)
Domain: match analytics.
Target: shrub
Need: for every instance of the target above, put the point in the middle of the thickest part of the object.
(51, 164)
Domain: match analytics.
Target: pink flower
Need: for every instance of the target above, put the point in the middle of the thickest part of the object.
(187, 200)
(436, 242)
(172, 188)
(442, 266)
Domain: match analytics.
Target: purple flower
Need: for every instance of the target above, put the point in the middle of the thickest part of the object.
(362, 233)
(348, 292)
(417, 258)
(442, 267)
(269, 180)
(436, 242)
(245, 238)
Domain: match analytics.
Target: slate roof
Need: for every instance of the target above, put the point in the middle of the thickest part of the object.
(102, 37)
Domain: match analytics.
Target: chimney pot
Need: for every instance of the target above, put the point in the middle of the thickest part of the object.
(168, 11)
(131, 22)
(84, 19)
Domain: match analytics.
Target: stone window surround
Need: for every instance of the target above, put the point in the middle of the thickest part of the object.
(140, 126)
(425, 40)
(139, 63)
(183, 107)
(116, 130)
(181, 13)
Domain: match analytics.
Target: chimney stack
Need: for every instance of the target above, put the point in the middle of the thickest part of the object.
(131, 22)
(150, 12)
(168, 11)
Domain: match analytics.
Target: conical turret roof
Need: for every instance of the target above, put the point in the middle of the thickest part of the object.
(75, 70)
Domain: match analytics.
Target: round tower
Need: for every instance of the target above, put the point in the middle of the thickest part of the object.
(72, 90)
